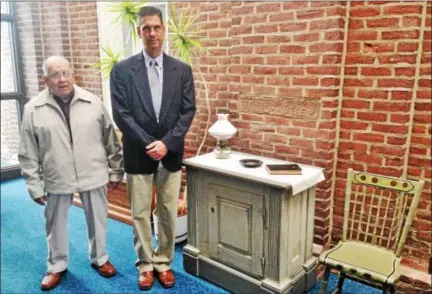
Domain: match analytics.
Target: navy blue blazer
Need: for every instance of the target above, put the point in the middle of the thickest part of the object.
(134, 114)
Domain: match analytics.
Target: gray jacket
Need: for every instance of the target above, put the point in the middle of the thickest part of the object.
(49, 161)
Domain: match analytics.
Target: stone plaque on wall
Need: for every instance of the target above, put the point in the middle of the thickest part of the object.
(278, 106)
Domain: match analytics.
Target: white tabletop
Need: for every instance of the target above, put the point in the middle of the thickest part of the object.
(311, 175)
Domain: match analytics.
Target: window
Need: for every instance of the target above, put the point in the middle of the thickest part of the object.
(12, 97)
(118, 38)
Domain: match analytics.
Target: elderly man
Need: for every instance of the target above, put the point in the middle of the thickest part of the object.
(68, 144)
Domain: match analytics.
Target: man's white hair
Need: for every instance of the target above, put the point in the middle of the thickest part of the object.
(47, 61)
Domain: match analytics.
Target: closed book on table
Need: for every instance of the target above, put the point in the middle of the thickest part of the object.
(284, 169)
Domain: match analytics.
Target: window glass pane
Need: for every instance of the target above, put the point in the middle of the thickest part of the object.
(8, 83)
(5, 7)
(10, 135)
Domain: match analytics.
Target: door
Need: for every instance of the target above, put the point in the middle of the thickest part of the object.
(236, 228)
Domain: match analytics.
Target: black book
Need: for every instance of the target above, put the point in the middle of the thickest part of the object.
(284, 169)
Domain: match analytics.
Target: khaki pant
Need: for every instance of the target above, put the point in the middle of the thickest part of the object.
(140, 189)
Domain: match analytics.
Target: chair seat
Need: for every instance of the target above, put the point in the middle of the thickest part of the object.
(363, 260)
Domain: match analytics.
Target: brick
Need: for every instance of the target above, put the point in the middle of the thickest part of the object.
(387, 150)
(353, 125)
(353, 146)
(403, 9)
(399, 118)
(331, 58)
(396, 141)
(253, 39)
(424, 94)
(268, 28)
(308, 37)
(364, 11)
(305, 81)
(375, 71)
(255, 18)
(291, 71)
(358, 82)
(382, 22)
(265, 50)
(359, 59)
(378, 47)
(357, 104)
(278, 39)
(253, 60)
(326, 47)
(373, 138)
(394, 35)
(294, 5)
(375, 94)
(351, 71)
(327, 24)
(401, 95)
(392, 129)
(264, 70)
(391, 106)
(393, 59)
(293, 49)
(323, 70)
(356, 24)
(334, 36)
(310, 14)
(353, 47)
(362, 36)
(306, 60)
(395, 83)
(275, 17)
(407, 47)
(369, 116)
(240, 69)
(427, 83)
(405, 71)
(411, 21)
(292, 27)
(268, 7)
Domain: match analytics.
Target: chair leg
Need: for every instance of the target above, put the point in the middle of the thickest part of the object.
(324, 281)
(386, 289)
(392, 289)
(341, 280)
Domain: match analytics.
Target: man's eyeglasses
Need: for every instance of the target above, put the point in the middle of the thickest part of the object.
(148, 29)
(59, 74)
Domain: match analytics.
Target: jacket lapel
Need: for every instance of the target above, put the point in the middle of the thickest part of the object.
(140, 79)
(168, 86)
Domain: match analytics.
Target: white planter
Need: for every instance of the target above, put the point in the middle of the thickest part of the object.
(181, 227)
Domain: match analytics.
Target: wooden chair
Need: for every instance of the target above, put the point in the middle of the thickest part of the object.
(377, 218)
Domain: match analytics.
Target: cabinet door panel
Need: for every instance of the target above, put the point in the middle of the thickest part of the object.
(236, 228)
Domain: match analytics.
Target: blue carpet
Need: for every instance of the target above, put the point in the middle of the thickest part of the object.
(23, 254)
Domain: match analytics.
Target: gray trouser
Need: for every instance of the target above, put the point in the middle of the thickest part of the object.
(56, 215)
(140, 189)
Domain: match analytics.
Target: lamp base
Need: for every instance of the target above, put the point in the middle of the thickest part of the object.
(222, 151)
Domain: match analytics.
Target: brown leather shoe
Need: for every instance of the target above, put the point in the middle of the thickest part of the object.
(166, 278)
(51, 280)
(106, 270)
(146, 280)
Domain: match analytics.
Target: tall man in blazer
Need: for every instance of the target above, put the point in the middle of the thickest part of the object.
(153, 102)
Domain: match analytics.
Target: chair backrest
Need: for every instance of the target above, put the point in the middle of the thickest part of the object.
(379, 210)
